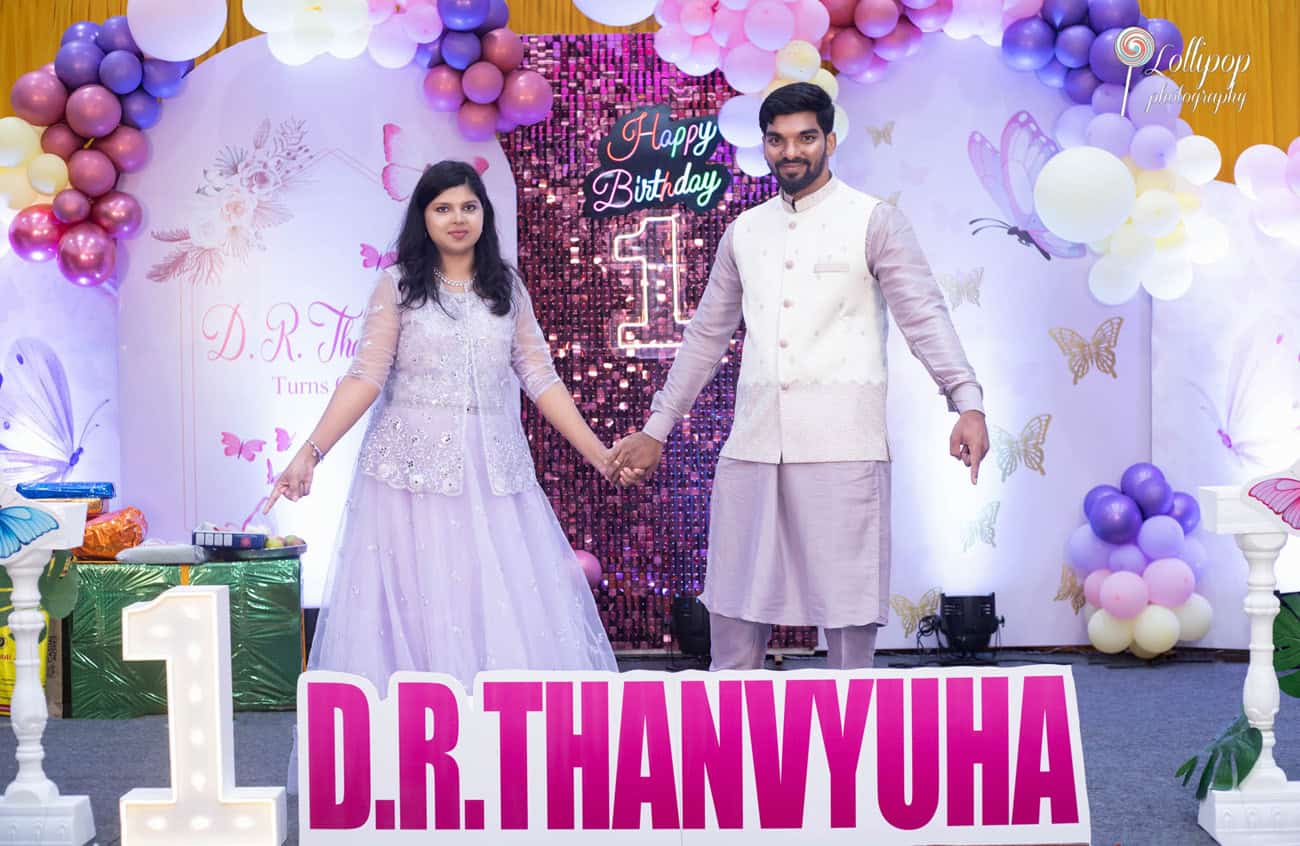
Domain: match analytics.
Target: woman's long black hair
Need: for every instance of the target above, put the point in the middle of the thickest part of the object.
(417, 256)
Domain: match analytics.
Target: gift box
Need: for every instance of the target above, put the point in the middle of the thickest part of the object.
(265, 635)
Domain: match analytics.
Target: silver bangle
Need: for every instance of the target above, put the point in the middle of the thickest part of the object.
(316, 451)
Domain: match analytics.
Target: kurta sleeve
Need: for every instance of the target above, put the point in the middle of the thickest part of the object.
(530, 356)
(377, 348)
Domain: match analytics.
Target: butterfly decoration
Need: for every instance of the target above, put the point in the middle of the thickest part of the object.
(893, 198)
(1070, 589)
(1082, 355)
(1026, 449)
(1009, 175)
(246, 450)
(20, 525)
(38, 438)
(404, 165)
(370, 258)
(982, 528)
(911, 613)
(881, 134)
(963, 286)
(283, 440)
(1280, 494)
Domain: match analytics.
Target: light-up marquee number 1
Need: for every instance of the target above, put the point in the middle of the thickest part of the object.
(657, 309)
(189, 628)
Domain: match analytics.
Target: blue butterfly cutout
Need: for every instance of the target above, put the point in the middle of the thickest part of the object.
(20, 526)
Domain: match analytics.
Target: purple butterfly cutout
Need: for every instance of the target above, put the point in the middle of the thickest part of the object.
(1009, 176)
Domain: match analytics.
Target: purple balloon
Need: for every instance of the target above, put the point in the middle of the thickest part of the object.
(77, 63)
(1103, 61)
(87, 255)
(1095, 494)
(1073, 44)
(1153, 147)
(1161, 537)
(92, 173)
(60, 140)
(1169, 43)
(1116, 519)
(1028, 44)
(1064, 13)
(71, 206)
(1187, 511)
(1195, 556)
(1112, 133)
(442, 89)
(428, 55)
(527, 97)
(464, 15)
(94, 111)
(1127, 558)
(1136, 474)
(39, 98)
(115, 34)
(1154, 496)
(163, 79)
(1108, 98)
(1079, 85)
(80, 31)
(141, 109)
(1085, 551)
(1113, 14)
(461, 49)
(483, 82)
(127, 146)
(1052, 74)
(121, 72)
(498, 16)
(477, 121)
(119, 214)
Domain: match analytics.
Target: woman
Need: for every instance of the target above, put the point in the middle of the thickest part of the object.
(451, 559)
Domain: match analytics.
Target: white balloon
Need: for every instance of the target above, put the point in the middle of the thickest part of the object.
(1088, 610)
(738, 120)
(751, 161)
(270, 15)
(1108, 633)
(841, 127)
(1113, 281)
(345, 15)
(1259, 168)
(1131, 245)
(19, 142)
(285, 46)
(1194, 618)
(349, 45)
(313, 30)
(1155, 629)
(176, 32)
(390, 46)
(1277, 213)
(617, 12)
(1156, 213)
(1083, 194)
(1168, 274)
(1072, 125)
(1140, 652)
(1207, 238)
(1197, 159)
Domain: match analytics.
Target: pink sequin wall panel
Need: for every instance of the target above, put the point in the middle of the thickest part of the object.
(652, 540)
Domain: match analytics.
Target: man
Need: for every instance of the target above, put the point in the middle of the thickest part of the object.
(799, 517)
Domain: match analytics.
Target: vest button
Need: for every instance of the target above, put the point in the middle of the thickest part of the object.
(788, 303)
(793, 224)
(789, 264)
(785, 386)
(784, 343)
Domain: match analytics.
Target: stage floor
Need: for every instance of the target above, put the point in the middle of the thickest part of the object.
(1139, 723)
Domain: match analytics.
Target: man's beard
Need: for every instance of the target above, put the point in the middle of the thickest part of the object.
(796, 184)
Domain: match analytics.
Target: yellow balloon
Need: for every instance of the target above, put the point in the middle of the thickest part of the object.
(1162, 180)
(779, 82)
(48, 173)
(827, 82)
(1189, 201)
(1174, 239)
(19, 141)
(15, 190)
(841, 128)
(799, 61)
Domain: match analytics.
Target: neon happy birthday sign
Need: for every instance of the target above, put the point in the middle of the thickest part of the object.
(648, 160)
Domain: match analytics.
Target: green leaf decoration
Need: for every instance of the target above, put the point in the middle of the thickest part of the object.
(1229, 758)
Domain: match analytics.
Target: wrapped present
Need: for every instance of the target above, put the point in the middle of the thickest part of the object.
(7, 669)
(67, 490)
(265, 635)
(109, 534)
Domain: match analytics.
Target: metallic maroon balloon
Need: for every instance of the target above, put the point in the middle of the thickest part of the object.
(39, 98)
(127, 146)
(503, 48)
(71, 206)
(87, 256)
(119, 214)
(92, 173)
(527, 97)
(94, 111)
(35, 232)
(60, 140)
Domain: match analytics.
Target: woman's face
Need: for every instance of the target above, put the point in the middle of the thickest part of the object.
(454, 220)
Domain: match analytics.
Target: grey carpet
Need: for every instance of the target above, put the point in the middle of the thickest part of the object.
(1140, 722)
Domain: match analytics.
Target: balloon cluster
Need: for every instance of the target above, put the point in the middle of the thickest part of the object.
(1271, 179)
(79, 123)
(298, 31)
(1140, 563)
(866, 36)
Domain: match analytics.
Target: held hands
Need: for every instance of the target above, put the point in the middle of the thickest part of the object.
(295, 482)
(633, 460)
(969, 442)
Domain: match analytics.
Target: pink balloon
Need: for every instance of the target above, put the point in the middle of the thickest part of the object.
(876, 70)
(1092, 586)
(87, 255)
(119, 214)
(749, 69)
(673, 44)
(34, 233)
(811, 21)
(477, 121)
(442, 89)
(504, 125)
(827, 40)
(728, 27)
(94, 111)
(482, 82)
(696, 17)
(933, 17)
(590, 565)
(1292, 173)
(1124, 595)
(92, 172)
(918, 4)
(127, 146)
(851, 51)
(703, 57)
(503, 48)
(421, 23)
(902, 42)
(39, 98)
(669, 13)
(60, 140)
(1294, 149)
(527, 97)
(876, 18)
(71, 206)
(769, 24)
(381, 10)
(841, 11)
(1169, 581)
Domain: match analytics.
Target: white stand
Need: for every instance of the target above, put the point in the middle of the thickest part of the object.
(1265, 809)
(31, 810)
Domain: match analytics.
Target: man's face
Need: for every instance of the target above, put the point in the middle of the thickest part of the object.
(796, 150)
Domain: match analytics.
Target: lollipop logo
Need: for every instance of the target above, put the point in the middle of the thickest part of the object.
(1134, 48)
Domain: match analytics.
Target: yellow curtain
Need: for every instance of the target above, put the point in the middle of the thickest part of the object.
(1268, 31)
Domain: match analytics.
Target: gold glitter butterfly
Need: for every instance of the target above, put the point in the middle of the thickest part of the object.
(1070, 589)
(982, 528)
(884, 133)
(910, 614)
(1083, 355)
(1028, 448)
(963, 286)
(893, 198)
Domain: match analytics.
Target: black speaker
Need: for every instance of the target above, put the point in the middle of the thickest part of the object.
(968, 622)
(690, 625)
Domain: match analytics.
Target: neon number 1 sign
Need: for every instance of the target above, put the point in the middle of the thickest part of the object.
(189, 628)
(657, 319)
